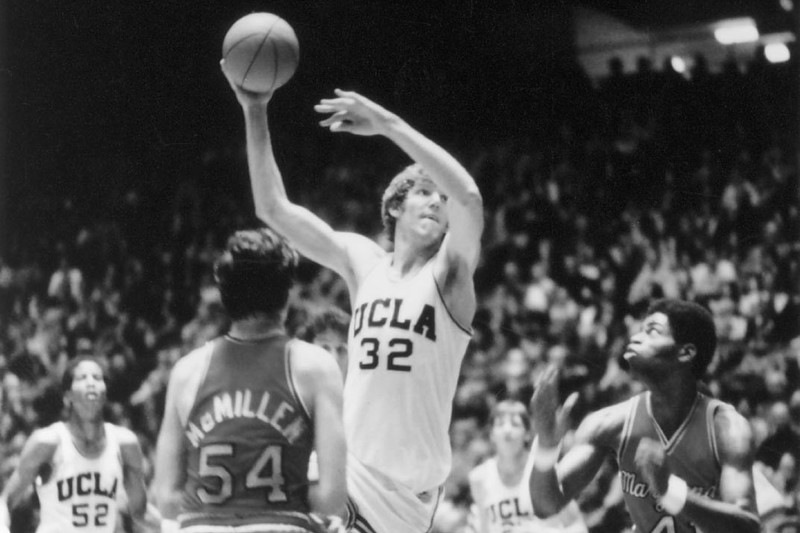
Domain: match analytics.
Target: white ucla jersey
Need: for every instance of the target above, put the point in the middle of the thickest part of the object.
(80, 495)
(405, 352)
(507, 508)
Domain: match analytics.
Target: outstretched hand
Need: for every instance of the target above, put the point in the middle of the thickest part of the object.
(246, 98)
(354, 113)
(550, 420)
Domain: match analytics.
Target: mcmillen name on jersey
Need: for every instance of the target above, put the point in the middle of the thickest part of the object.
(240, 404)
(389, 312)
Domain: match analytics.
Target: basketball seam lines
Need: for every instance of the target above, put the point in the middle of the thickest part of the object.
(255, 56)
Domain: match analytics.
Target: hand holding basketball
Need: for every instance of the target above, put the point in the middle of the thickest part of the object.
(245, 98)
(355, 114)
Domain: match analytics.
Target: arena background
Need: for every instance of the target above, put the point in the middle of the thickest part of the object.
(121, 154)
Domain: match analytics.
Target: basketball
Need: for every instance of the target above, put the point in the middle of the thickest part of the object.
(261, 52)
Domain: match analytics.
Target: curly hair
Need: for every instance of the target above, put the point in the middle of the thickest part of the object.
(396, 193)
(691, 323)
(255, 273)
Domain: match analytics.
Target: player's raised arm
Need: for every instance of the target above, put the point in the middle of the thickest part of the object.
(553, 483)
(312, 236)
(353, 113)
(38, 450)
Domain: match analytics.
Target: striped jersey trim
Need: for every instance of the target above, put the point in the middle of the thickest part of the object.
(249, 528)
(711, 410)
(351, 510)
(439, 498)
(626, 428)
(290, 345)
(243, 522)
(362, 525)
(466, 330)
(672, 442)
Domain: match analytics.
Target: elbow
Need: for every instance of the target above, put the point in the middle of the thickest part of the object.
(165, 500)
(272, 212)
(331, 500)
(267, 211)
(472, 199)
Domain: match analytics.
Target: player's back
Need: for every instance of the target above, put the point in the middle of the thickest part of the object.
(248, 437)
(405, 351)
(79, 493)
(691, 454)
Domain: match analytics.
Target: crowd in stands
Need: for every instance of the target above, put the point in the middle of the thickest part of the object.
(678, 186)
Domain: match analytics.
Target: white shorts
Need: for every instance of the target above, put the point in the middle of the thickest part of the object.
(376, 504)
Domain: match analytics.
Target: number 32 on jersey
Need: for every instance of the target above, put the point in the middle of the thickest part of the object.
(398, 351)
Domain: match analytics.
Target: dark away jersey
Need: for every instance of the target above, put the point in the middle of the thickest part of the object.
(248, 437)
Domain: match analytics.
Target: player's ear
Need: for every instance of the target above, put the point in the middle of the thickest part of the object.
(687, 353)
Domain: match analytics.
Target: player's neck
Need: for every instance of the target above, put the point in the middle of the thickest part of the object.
(510, 465)
(256, 328)
(408, 259)
(671, 400)
(87, 435)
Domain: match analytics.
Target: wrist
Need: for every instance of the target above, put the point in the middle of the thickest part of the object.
(254, 109)
(392, 125)
(545, 457)
(674, 499)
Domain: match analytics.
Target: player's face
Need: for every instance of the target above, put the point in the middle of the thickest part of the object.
(335, 344)
(653, 341)
(424, 210)
(508, 432)
(88, 392)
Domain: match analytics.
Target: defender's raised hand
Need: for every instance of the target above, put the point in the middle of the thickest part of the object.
(355, 114)
(550, 420)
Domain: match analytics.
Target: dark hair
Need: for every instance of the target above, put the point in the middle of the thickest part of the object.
(69, 372)
(396, 193)
(255, 273)
(690, 323)
(331, 318)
